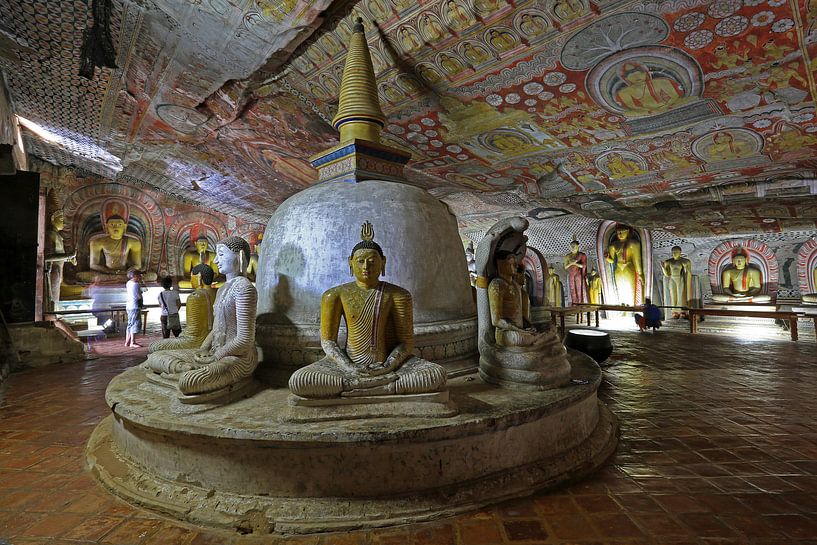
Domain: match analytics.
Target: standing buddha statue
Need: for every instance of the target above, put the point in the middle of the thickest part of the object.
(678, 276)
(199, 254)
(594, 287)
(554, 288)
(624, 253)
(55, 257)
(575, 264)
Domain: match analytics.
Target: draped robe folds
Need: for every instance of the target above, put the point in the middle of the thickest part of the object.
(376, 326)
(231, 342)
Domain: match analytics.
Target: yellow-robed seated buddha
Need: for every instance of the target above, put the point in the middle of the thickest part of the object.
(201, 254)
(512, 353)
(741, 282)
(113, 252)
(228, 357)
(199, 310)
(379, 357)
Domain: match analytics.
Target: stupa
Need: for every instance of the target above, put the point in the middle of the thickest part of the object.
(247, 465)
(311, 233)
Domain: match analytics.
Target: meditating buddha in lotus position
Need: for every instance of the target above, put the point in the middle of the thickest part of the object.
(228, 354)
(379, 356)
(510, 305)
(113, 252)
(741, 282)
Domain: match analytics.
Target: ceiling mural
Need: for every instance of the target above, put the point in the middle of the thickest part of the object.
(692, 116)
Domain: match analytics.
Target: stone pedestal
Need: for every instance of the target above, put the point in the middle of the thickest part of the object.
(245, 467)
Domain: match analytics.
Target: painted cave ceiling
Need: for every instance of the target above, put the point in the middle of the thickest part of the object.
(697, 117)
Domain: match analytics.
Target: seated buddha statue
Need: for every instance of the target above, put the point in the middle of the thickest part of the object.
(113, 252)
(741, 282)
(811, 298)
(199, 310)
(228, 354)
(195, 256)
(513, 353)
(379, 358)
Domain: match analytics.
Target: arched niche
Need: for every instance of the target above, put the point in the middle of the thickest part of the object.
(606, 235)
(760, 256)
(179, 237)
(83, 220)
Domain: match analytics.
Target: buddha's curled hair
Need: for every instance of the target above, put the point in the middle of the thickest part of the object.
(239, 246)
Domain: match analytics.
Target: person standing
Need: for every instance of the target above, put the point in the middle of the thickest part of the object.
(133, 306)
(170, 302)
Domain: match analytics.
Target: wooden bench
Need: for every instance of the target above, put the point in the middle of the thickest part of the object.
(791, 317)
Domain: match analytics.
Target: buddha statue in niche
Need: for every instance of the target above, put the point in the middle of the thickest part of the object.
(114, 252)
(678, 277)
(741, 282)
(199, 310)
(513, 353)
(255, 255)
(228, 355)
(624, 253)
(200, 253)
(379, 355)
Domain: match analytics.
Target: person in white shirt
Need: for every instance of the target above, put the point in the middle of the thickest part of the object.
(170, 302)
(133, 306)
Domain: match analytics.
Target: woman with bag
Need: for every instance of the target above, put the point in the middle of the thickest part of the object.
(170, 302)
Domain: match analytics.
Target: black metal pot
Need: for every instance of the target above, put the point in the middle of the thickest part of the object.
(593, 342)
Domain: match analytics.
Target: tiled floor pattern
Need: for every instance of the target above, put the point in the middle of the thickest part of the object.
(718, 446)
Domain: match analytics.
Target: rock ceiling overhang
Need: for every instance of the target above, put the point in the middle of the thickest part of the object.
(693, 116)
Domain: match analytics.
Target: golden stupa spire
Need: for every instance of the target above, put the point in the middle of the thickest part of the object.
(359, 114)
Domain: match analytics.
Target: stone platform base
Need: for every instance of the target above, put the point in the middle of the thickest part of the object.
(244, 467)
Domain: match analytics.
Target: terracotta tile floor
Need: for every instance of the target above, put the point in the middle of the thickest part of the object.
(718, 446)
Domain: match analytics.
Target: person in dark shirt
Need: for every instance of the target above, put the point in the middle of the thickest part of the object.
(651, 317)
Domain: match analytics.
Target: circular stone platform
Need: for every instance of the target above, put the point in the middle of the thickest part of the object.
(245, 466)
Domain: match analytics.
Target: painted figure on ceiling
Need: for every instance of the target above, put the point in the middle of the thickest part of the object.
(532, 25)
(428, 73)
(431, 29)
(624, 256)
(476, 55)
(643, 94)
(567, 10)
(501, 40)
(486, 7)
(409, 40)
(380, 13)
(113, 252)
(451, 65)
(458, 17)
(623, 167)
(724, 146)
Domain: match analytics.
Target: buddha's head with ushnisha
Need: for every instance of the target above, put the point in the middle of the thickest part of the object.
(740, 258)
(367, 261)
(115, 218)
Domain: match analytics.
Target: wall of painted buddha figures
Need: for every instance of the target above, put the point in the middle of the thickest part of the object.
(113, 225)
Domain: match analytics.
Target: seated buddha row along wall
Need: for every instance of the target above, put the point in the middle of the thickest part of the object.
(98, 230)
